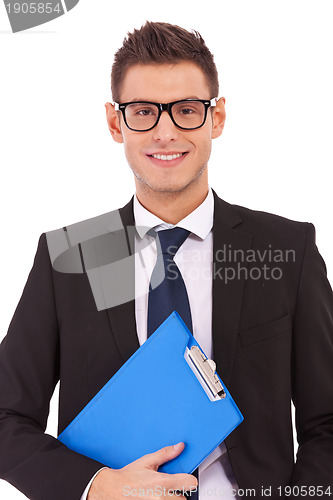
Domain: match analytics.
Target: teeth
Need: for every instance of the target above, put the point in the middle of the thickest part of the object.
(167, 157)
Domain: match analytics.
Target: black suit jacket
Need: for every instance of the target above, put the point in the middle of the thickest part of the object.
(272, 342)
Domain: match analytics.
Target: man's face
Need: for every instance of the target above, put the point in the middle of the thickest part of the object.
(164, 83)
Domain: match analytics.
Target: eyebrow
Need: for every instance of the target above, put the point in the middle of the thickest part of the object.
(136, 99)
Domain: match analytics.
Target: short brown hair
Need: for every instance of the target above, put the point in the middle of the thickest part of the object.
(163, 43)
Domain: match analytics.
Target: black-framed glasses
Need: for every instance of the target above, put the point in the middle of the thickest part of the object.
(187, 114)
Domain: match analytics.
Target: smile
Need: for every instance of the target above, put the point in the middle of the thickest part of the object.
(168, 157)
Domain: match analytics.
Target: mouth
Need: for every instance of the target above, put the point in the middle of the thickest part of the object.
(170, 159)
(167, 157)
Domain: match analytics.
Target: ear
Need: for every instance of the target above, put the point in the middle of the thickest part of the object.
(218, 118)
(112, 118)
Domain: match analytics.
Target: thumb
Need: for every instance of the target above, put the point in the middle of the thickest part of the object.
(154, 460)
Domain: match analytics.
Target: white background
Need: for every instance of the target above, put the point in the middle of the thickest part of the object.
(59, 164)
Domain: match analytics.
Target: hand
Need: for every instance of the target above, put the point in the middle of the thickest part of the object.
(141, 475)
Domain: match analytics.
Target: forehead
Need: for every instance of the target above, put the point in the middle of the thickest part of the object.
(164, 82)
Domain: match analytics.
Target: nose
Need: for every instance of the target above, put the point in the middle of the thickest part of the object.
(165, 131)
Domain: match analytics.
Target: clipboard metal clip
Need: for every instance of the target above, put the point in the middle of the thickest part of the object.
(207, 369)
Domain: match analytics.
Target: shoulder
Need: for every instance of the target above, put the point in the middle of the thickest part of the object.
(265, 220)
(265, 226)
(66, 243)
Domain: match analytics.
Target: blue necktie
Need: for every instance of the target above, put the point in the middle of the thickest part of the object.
(167, 290)
(168, 294)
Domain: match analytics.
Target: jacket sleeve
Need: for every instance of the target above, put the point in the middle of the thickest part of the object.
(312, 368)
(35, 463)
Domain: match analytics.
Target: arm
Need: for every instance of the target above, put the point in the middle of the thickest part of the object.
(312, 371)
(35, 463)
(141, 479)
(86, 491)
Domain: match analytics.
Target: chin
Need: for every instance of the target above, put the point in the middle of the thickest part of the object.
(169, 187)
(157, 184)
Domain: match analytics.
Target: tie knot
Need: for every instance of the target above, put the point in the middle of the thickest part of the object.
(171, 240)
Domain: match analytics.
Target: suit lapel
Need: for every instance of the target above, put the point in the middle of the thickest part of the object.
(227, 293)
(227, 296)
(122, 317)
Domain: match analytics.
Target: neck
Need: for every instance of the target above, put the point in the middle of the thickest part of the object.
(172, 207)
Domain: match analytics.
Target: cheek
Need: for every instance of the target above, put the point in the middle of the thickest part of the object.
(202, 141)
(134, 143)
(204, 148)
(133, 152)
(130, 147)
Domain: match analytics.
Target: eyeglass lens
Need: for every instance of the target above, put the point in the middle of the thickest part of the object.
(186, 114)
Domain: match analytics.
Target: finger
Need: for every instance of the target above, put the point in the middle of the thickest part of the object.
(182, 482)
(154, 460)
(176, 495)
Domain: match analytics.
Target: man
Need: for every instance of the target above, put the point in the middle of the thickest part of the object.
(260, 303)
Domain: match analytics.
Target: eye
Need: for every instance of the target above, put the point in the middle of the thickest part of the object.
(145, 112)
(142, 110)
(186, 111)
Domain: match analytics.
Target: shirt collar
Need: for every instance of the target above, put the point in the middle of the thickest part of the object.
(198, 222)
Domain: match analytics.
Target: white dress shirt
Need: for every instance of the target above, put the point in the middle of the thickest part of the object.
(194, 260)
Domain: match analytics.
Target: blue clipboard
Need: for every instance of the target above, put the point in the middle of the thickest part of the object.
(162, 395)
